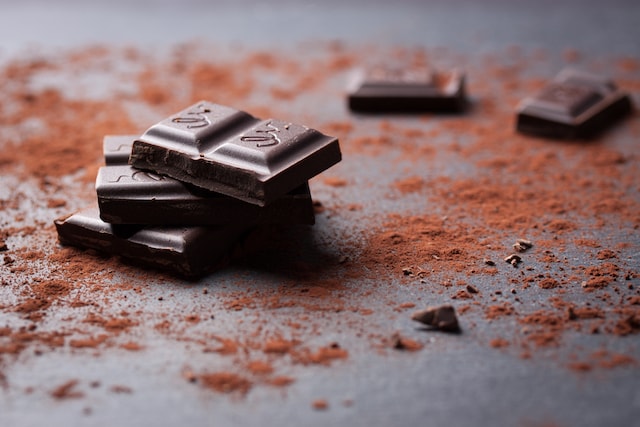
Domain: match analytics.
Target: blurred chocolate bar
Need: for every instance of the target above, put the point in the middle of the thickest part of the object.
(410, 89)
(575, 104)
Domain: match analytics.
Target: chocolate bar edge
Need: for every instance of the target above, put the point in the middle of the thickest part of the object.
(530, 121)
(239, 183)
(383, 99)
(190, 262)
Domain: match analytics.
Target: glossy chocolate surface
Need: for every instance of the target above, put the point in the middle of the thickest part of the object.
(231, 152)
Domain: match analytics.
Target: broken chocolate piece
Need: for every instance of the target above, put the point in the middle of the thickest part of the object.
(188, 251)
(513, 259)
(522, 245)
(412, 89)
(574, 105)
(442, 318)
(131, 196)
(231, 152)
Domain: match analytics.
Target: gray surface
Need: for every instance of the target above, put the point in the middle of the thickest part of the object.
(454, 380)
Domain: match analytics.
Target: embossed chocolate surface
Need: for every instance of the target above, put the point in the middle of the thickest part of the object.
(574, 105)
(412, 89)
(187, 251)
(117, 148)
(231, 152)
(132, 196)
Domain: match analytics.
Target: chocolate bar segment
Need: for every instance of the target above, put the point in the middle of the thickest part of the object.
(132, 196)
(187, 251)
(117, 148)
(574, 105)
(411, 89)
(231, 152)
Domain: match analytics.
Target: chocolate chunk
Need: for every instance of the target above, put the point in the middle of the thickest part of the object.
(187, 251)
(117, 149)
(233, 153)
(574, 105)
(131, 196)
(442, 318)
(522, 245)
(412, 89)
(513, 259)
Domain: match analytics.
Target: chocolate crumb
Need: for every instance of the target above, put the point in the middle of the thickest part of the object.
(513, 259)
(521, 245)
(399, 342)
(472, 289)
(442, 318)
(489, 262)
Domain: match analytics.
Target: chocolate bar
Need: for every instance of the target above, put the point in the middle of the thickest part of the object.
(574, 105)
(117, 149)
(131, 196)
(188, 251)
(231, 152)
(412, 89)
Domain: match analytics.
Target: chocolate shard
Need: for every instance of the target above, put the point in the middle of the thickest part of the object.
(231, 152)
(442, 318)
(575, 104)
(186, 251)
(411, 89)
(117, 149)
(132, 196)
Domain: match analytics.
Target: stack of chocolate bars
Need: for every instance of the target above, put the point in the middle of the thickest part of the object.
(186, 195)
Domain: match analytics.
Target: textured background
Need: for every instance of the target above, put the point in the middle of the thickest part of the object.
(456, 380)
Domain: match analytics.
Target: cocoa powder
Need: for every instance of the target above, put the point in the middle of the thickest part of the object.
(563, 196)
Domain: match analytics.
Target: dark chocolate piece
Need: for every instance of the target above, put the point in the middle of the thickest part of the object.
(413, 89)
(188, 251)
(574, 105)
(117, 149)
(443, 318)
(131, 196)
(233, 153)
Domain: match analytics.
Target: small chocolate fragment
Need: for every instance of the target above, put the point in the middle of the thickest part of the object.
(188, 251)
(399, 342)
(442, 318)
(412, 89)
(574, 105)
(472, 289)
(131, 196)
(513, 259)
(522, 245)
(231, 152)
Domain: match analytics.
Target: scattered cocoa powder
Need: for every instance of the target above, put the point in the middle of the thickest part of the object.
(320, 405)
(225, 382)
(66, 391)
(527, 188)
